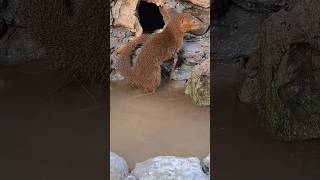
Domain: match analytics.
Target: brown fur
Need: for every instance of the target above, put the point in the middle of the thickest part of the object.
(159, 47)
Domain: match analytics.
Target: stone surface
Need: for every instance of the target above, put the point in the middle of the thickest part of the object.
(3, 27)
(202, 3)
(15, 46)
(130, 177)
(194, 51)
(123, 13)
(198, 86)
(118, 167)
(286, 76)
(169, 167)
(206, 164)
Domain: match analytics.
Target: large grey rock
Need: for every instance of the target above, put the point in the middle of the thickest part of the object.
(194, 52)
(288, 72)
(118, 167)
(169, 167)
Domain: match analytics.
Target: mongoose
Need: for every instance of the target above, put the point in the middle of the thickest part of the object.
(157, 48)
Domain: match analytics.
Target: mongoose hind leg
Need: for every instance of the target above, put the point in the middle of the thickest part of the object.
(153, 82)
(175, 60)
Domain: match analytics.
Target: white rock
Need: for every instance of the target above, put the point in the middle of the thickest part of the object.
(206, 164)
(170, 168)
(118, 167)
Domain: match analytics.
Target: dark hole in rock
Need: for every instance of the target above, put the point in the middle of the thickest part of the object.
(150, 17)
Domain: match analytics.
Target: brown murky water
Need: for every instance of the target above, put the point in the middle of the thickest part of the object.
(164, 123)
(243, 150)
(50, 129)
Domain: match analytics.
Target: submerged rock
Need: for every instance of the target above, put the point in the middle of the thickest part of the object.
(198, 86)
(170, 167)
(118, 167)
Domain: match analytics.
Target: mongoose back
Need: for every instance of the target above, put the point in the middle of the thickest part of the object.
(157, 48)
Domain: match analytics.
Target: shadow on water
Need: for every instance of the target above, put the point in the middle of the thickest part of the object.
(50, 129)
(243, 150)
(160, 124)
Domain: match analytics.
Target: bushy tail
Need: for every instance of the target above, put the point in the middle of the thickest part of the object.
(125, 66)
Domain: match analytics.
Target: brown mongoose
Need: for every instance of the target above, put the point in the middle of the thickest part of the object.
(157, 48)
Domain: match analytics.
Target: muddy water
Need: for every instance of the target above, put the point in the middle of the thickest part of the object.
(50, 129)
(165, 123)
(243, 150)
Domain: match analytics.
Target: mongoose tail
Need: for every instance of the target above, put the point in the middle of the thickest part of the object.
(125, 66)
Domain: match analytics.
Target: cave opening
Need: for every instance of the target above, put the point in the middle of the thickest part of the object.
(150, 17)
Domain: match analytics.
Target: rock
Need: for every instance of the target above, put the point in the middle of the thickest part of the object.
(116, 76)
(198, 86)
(206, 164)
(202, 3)
(130, 177)
(169, 167)
(15, 46)
(289, 72)
(194, 51)
(261, 6)
(3, 27)
(19, 48)
(3, 3)
(237, 25)
(123, 13)
(118, 167)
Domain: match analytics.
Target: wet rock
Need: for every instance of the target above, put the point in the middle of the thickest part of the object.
(198, 86)
(118, 167)
(3, 27)
(289, 72)
(169, 167)
(206, 164)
